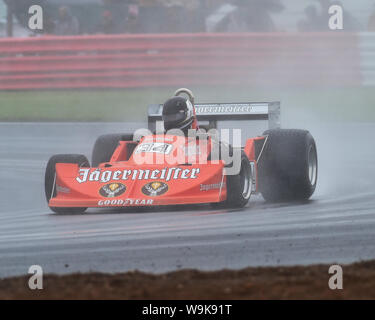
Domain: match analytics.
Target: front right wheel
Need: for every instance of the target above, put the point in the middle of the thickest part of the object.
(50, 179)
(106, 145)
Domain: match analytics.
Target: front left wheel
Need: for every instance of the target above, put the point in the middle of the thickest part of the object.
(50, 179)
(239, 186)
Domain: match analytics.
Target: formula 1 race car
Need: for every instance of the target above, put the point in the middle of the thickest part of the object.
(158, 168)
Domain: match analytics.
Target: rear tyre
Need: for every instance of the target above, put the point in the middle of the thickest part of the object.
(105, 146)
(288, 167)
(50, 180)
(239, 186)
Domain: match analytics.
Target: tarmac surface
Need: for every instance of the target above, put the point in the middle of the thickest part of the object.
(336, 225)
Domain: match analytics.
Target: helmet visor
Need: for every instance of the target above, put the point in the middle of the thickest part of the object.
(175, 117)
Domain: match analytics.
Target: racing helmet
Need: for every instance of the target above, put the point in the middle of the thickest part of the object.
(178, 113)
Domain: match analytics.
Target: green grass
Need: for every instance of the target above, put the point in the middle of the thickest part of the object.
(354, 104)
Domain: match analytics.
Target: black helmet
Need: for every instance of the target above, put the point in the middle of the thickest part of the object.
(178, 113)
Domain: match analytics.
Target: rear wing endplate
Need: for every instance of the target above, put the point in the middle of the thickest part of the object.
(213, 112)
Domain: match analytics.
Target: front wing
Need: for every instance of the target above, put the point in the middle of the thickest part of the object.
(131, 186)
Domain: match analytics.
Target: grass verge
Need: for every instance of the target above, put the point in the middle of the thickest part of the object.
(354, 104)
(301, 282)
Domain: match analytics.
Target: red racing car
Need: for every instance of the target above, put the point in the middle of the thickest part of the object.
(157, 168)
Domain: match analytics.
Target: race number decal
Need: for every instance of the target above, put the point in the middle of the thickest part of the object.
(155, 147)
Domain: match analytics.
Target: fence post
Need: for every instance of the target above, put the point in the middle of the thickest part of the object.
(9, 20)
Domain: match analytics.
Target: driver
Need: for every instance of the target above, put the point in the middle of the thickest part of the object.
(179, 113)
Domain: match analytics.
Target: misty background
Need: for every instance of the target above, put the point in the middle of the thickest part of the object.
(150, 16)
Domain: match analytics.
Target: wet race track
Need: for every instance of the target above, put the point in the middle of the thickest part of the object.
(337, 225)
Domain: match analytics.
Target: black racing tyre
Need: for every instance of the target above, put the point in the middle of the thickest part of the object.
(239, 186)
(288, 166)
(105, 145)
(49, 179)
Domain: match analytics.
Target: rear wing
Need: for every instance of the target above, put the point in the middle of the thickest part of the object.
(213, 112)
